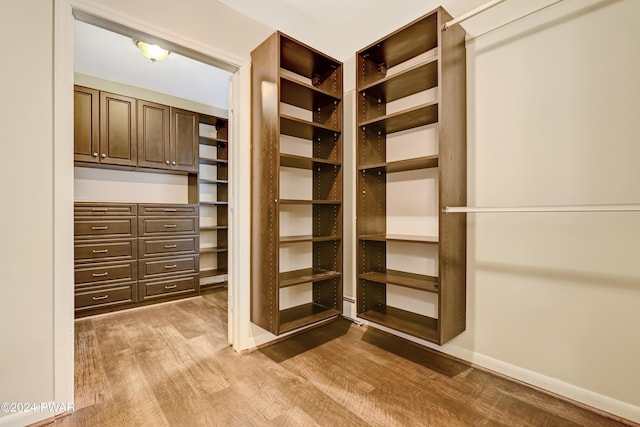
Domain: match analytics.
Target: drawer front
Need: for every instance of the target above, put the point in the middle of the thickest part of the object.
(167, 226)
(105, 272)
(114, 295)
(168, 210)
(104, 209)
(151, 289)
(91, 228)
(101, 250)
(151, 247)
(165, 266)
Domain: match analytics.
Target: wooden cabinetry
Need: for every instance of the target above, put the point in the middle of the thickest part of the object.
(214, 201)
(128, 254)
(105, 256)
(183, 147)
(296, 185)
(411, 159)
(118, 144)
(153, 135)
(86, 116)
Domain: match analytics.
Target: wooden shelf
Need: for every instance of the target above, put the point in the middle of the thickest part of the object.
(309, 202)
(214, 162)
(205, 140)
(400, 238)
(425, 162)
(420, 326)
(308, 238)
(304, 60)
(303, 95)
(301, 162)
(212, 249)
(213, 203)
(412, 80)
(213, 272)
(214, 227)
(415, 38)
(404, 279)
(296, 277)
(420, 115)
(303, 315)
(305, 129)
(214, 181)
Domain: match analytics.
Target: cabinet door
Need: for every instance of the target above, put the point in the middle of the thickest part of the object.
(117, 130)
(85, 124)
(153, 135)
(184, 140)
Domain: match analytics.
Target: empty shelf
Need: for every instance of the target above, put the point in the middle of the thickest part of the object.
(400, 278)
(209, 161)
(301, 162)
(205, 140)
(413, 80)
(309, 202)
(405, 165)
(405, 321)
(306, 275)
(420, 115)
(212, 272)
(212, 249)
(399, 238)
(307, 238)
(305, 129)
(213, 227)
(213, 203)
(304, 95)
(303, 315)
(213, 181)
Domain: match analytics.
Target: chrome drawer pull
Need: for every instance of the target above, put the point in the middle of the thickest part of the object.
(170, 246)
(170, 287)
(170, 266)
(99, 209)
(100, 251)
(95, 227)
(170, 226)
(171, 210)
(101, 298)
(106, 273)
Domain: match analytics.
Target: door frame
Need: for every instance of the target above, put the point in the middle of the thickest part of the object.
(65, 13)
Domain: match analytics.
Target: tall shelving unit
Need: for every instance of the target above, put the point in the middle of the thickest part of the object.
(411, 160)
(213, 186)
(296, 252)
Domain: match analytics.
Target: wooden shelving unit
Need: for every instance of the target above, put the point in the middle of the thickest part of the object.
(411, 88)
(296, 253)
(213, 184)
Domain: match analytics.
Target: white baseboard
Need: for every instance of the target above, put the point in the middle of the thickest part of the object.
(587, 397)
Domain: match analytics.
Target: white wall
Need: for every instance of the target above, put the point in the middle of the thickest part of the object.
(26, 304)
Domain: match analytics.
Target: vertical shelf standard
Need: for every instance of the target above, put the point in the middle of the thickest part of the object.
(296, 236)
(411, 90)
(214, 201)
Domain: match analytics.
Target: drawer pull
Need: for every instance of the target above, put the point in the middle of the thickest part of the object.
(170, 266)
(100, 251)
(171, 210)
(170, 286)
(95, 227)
(170, 246)
(106, 273)
(170, 226)
(99, 209)
(100, 298)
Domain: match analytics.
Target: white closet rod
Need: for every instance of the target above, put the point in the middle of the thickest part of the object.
(471, 13)
(577, 208)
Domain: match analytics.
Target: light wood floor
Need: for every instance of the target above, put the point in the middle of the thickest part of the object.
(170, 365)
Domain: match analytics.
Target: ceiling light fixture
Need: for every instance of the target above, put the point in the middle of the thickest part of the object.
(152, 51)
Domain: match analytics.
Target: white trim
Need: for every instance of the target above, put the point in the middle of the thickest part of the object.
(587, 397)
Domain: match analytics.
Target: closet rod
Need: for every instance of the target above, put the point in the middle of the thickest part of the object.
(471, 13)
(577, 208)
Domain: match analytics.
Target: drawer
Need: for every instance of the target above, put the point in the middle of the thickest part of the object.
(153, 247)
(105, 250)
(92, 228)
(172, 265)
(105, 272)
(104, 209)
(167, 226)
(167, 210)
(106, 296)
(151, 289)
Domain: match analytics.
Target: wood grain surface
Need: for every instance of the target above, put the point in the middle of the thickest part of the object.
(171, 365)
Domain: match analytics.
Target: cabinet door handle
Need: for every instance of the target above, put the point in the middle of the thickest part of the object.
(170, 246)
(173, 163)
(95, 154)
(167, 162)
(100, 251)
(170, 266)
(95, 227)
(106, 273)
(104, 156)
(100, 298)
(170, 226)
(170, 286)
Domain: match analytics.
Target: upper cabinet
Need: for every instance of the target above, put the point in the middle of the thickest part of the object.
(112, 129)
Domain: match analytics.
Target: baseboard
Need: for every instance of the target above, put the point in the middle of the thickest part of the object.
(31, 419)
(587, 398)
